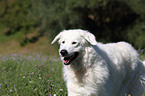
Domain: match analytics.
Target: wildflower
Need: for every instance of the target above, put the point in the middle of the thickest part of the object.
(29, 74)
(35, 89)
(40, 78)
(41, 64)
(51, 85)
(11, 90)
(127, 95)
(30, 81)
(54, 95)
(55, 60)
(60, 89)
(24, 61)
(23, 76)
(14, 85)
(0, 85)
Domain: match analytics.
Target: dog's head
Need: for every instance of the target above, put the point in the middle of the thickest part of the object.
(72, 44)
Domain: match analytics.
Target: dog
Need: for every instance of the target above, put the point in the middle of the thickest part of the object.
(91, 68)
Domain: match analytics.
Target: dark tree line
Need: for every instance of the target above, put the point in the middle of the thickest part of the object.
(108, 20)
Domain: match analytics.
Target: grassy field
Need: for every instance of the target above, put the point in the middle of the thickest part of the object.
(26, 75)
(31, 76)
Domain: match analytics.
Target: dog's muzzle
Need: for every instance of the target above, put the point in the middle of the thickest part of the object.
(67, 59)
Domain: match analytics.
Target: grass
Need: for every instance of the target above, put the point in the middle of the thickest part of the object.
(31, 76)
(26, 75)
(37, 75)
(10, 44)
(42, 46)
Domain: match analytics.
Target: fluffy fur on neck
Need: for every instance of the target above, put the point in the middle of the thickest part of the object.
(79, 74)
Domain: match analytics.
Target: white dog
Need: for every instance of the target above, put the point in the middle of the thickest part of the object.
(96, 69)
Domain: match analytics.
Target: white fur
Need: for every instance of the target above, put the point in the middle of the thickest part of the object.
(112, 69)
(144, 63)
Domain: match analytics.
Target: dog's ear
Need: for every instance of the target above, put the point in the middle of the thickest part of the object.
(90, 38)
(56, 38)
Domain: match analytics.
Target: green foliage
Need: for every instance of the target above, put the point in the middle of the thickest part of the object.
(137, 5)
(136, 35)
(109, 20)
(30, 76)
(62, 14)
(16, 17)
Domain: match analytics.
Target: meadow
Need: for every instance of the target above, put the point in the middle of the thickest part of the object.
(24, 31)
(35, 75)
(32, 75)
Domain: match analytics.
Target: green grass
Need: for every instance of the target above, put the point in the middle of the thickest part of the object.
(31, 76)
(25, 75)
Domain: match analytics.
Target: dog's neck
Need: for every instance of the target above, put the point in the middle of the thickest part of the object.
(80, 74)
(80, 66)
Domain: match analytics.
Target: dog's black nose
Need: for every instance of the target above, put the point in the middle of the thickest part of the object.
(63, 52)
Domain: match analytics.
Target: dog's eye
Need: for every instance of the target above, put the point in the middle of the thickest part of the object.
(74, 42)
(63, 42)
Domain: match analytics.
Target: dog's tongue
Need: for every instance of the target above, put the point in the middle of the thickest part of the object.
(66, 61)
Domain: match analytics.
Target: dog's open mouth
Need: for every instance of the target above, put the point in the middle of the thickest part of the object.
(68, 59)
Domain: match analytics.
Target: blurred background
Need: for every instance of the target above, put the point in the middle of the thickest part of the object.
(28, 26)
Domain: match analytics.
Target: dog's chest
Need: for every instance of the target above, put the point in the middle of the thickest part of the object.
(80, 82)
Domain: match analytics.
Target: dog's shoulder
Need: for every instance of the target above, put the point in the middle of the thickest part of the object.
(120, 50)
(120, 46)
